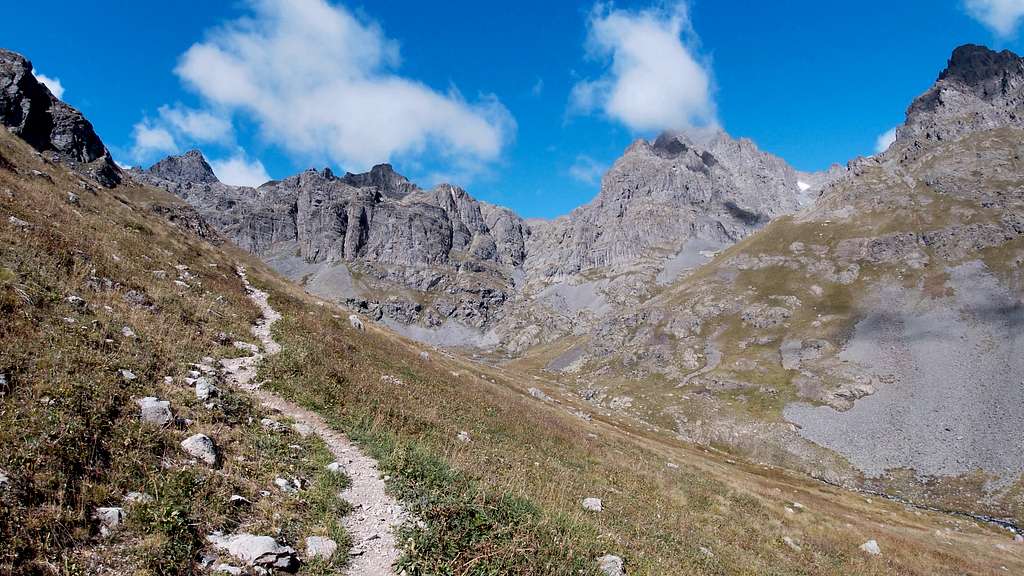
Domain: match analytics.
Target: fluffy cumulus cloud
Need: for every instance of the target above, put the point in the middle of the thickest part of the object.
(238, 170)
(151, 139)
(586, 169)
(52, 83)
(885, 140)
(1001, 16)
(197, 125)
(174, 126)
(653, 80)
(321, 83)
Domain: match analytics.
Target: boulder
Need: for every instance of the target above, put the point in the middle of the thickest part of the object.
(126, 375)
(205, 389)
(463, 437)
(537, 393)
(271, 425)
(76, 301)
(611, 565)
(871, 547)
(201, 447)
(320, 547)
(152, 410)
(259, 551)
(592, 504)
(110, 518)
(355, 322)
(336, 468)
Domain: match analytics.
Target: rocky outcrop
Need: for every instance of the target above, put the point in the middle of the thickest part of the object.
(189, 167)
(980, 89)
(33, 113)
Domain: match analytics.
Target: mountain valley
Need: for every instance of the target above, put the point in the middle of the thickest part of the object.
(719, 365)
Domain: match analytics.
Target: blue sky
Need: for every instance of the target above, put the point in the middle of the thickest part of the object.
(524, 103)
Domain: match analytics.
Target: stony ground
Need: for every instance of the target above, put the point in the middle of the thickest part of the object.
(375, 516)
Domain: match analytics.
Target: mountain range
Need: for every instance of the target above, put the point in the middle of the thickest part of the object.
(863, 326)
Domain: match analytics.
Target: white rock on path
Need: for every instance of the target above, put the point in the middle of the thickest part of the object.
(592, 504)
(320, 547)
(200, 446)
(611, 565)
(153, 410)
(271, 425)
(336, 468)
(871, 547)
(254, 550)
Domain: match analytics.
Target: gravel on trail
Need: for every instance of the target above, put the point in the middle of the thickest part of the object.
(375, 514)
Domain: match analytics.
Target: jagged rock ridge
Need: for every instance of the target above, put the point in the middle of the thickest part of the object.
(33, 113)
(480, 264)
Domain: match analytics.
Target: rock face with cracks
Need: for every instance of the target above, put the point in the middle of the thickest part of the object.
(33, 113)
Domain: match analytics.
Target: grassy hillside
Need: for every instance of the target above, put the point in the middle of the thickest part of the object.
(506, 502)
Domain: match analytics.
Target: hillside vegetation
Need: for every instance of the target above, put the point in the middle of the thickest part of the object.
(75, 271)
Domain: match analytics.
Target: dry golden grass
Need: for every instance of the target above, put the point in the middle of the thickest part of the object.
(69, 425)
(508, 502)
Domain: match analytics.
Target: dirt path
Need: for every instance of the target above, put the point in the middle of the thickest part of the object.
(375, 515)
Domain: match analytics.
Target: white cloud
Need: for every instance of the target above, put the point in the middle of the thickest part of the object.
(175, 126)
(320, 83)
(1001, 16)
(586, 169)
(240, 171)
(52, 83)
(150, 139)
(198, 125)
(653, 80)
(538, 87)
(885, 140)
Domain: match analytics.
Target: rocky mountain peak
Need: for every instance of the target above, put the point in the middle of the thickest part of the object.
(980, 89)
(34, 114)
(188, 167)
(980, 66)
(671, 144)
(385, 179)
